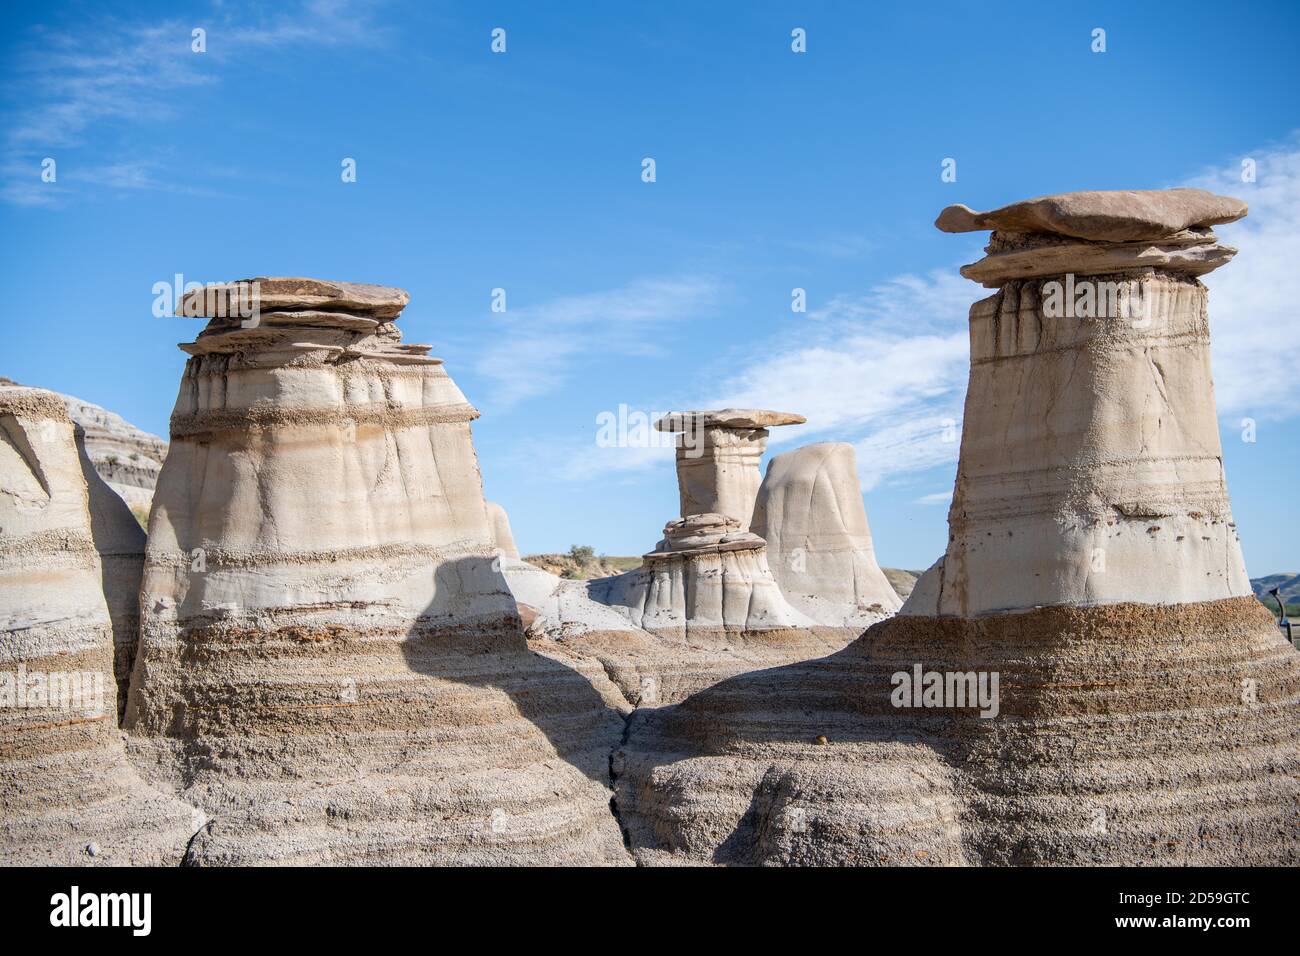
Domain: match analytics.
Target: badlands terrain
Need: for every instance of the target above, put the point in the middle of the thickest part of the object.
(325, 648)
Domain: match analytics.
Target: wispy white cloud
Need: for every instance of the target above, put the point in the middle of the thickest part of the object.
(1254, 321)
(551, 340)
(885, 371)
(90, 85)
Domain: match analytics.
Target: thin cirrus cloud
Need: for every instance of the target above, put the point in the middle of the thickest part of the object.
(887, 371)
(552, 340)
(107, 76)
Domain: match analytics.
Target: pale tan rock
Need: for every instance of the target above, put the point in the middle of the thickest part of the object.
(810, 513)
(1091, 470)
(127, 458)
(1115, 215)
(503, 540)
(297, 294)
(707, 575)
(65, 782)
(674, 654)
(1191, 254)
(324, 609)
(717, 458)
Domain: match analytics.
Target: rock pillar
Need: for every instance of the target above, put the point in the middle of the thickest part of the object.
(718, 453)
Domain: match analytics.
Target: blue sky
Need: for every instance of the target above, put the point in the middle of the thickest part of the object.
(522, 171)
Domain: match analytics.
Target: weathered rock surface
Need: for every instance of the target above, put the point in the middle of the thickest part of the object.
(810, 513)
(353, 300)
(1091, 470)
(1115, 215)
(1122, 736)
(331, 665)
(706, 576)
(1145, 706)
(65, 782)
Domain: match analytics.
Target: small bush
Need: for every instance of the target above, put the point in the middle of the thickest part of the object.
(582, 553)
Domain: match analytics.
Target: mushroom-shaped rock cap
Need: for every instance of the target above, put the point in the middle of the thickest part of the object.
(727, 418)
(277, 293)
(1113, 215)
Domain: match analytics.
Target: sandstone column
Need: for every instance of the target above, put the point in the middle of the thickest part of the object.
(717, 458)
(1090, 470)
(810, 513)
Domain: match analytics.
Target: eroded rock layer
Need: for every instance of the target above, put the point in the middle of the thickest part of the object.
(717, 458)
(1124, 734)
(1091, 469)
(331, 663)
(67, 793)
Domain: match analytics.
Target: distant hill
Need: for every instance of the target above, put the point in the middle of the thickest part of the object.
(582, 565)
(902, 581)
(1288, 585)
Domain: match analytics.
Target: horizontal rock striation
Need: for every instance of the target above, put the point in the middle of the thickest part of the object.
(1091, 469)
(1126, 734)
(331, 663)
(67, 793)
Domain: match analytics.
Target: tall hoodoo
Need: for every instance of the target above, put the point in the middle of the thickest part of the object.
(1090, 441)
(717, 458)
(67, 793)
(322, 605)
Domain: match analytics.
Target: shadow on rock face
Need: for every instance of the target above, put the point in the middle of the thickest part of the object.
(1121, 735)
(471, 634)
(120, 542)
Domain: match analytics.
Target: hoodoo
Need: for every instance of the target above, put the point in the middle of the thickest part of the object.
(322, 610)
(1148, 706)
(704, 605)
(717, 458)
(67, 793)
(709, 577)
(1091, 470)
